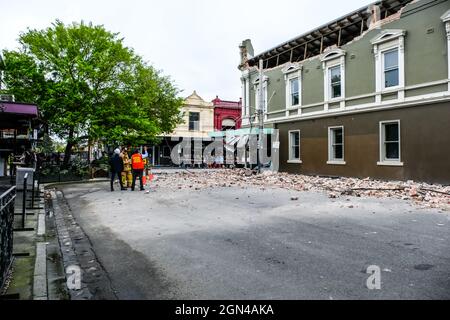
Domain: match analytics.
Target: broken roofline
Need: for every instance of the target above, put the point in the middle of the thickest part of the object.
(305, 46)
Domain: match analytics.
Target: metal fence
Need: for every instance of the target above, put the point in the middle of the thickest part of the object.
(54, 173)
(7, 200)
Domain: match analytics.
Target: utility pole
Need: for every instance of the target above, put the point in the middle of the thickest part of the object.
(260, 113)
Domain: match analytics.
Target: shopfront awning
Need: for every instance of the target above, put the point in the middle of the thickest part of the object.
(239, 132)
(19, 109)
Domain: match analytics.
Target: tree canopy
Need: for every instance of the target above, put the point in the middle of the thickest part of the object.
(90, 86)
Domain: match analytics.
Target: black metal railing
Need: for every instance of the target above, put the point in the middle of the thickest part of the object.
(7, 200)
(54, 173)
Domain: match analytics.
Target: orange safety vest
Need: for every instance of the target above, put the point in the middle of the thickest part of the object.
(136, 162)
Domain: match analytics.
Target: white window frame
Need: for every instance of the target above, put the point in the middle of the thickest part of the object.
(290, 100)
(331, 59)
(256, 84)
(446, 20)
(382, 151)
(383, 69)
(331, 159)
(383, 63)
(291, 157)
(389, 40)
(330, 84)
(291, 72)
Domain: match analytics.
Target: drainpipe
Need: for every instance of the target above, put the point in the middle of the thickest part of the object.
(260, 113)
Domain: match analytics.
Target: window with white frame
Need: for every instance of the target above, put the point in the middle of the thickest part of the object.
(294, 91)
(294, 145)
(334, 78)
(264, 88)
(390, 147)
(391, 70)
(292, 77)
(336, 145)
(389, 51)
(446, 20)
(333, 64)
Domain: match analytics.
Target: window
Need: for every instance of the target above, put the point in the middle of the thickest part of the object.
(389, 52)
(264, 102)
(294, 91)
(257, 86)
(336, 145)
(166, 152)
(335, 81)
(333, 66)
(194, 121)
(293, 82)
(294, 146)
(446, 19)
(391, 72)
(390, 143)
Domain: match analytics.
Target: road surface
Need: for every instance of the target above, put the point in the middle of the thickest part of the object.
(248, 243)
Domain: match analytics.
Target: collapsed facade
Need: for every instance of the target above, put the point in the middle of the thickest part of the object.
(366, 95)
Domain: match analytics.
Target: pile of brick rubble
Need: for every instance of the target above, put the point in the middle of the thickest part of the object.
(423, 194)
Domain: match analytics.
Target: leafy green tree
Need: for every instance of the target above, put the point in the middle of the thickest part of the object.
(89, 86)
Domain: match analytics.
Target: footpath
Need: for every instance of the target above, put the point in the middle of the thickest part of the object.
(36, 273)
(52, 257)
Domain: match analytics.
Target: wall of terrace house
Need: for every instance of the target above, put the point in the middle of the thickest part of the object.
(312, 84)
(275, 90)
(424, 144)
(425, 53)
(425, 61)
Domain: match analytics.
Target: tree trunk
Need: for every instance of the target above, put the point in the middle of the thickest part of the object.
(91, 173)
(68, 150)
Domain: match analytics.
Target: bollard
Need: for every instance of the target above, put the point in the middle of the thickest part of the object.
(24, 199)
(24, 205)
(32, 194)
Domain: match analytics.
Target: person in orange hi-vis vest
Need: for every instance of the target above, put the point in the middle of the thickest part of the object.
(137, 164)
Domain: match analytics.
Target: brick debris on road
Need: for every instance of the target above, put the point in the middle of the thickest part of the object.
(422, 194)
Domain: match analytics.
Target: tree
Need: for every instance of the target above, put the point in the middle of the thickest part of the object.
(89, 86)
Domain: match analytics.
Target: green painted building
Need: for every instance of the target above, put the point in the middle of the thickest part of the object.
(366, 95)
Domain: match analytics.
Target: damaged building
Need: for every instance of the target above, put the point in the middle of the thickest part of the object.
(366, 95)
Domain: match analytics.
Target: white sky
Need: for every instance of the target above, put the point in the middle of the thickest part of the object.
(193, 41)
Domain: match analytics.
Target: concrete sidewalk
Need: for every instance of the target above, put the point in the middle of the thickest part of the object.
(29, 270)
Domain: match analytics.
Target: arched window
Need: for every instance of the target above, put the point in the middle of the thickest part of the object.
(228, 124)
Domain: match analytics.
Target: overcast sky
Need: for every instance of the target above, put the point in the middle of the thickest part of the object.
(193, 41)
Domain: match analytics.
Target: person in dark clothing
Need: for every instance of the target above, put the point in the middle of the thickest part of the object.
(116, 164)
(137, 164)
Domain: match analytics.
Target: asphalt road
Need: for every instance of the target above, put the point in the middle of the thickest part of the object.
(233, 243)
